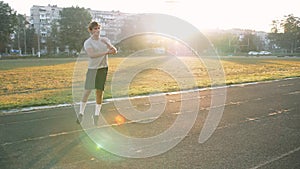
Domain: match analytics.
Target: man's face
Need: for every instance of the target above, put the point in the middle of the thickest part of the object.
(96, 30)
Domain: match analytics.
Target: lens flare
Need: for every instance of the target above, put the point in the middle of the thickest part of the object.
(165, 41)
(119, 119)
(98, 147)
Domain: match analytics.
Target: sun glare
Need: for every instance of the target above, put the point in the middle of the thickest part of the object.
(119, 119)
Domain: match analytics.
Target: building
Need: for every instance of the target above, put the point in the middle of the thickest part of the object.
(42, 17)
(41, 20)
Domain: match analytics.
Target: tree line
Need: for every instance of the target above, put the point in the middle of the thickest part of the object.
(283, 38)
(285, 34)
(70, 31)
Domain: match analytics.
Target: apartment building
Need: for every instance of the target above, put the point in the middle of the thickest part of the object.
(41, 18)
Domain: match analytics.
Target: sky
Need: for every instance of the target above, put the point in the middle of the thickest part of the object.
(204, 14)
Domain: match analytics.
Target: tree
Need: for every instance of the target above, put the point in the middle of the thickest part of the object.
(232, 43)
(22, 35)
(285, 34)
(291, 27)
(8, 21)
(52, 40)
(31, 40)
(224, 43)
(73, 28)
(275, 26)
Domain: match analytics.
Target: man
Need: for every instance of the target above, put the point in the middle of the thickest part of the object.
(97, 48)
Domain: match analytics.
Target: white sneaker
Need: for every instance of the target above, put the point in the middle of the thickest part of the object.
(79, 118)
(95, 119)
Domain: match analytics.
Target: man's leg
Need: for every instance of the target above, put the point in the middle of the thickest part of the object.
(83, 102)
(82, 106)
(99, 99)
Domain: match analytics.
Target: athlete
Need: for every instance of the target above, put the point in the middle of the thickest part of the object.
(97, 48)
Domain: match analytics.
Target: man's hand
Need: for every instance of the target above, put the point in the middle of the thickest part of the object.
(112, 50)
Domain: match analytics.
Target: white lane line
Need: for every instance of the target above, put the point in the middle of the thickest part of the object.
(294, 93)
(276, 158)
(32, 109)
(40, 138)
(255, 119)
(73, 131)
(30, 121)
(284, 85)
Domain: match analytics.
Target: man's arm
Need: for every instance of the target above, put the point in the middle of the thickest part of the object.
(112, 49)
(92, 54)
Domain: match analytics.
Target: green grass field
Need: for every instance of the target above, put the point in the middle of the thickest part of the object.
(36, 82)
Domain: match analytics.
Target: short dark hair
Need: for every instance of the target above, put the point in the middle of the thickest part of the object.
(92, 25)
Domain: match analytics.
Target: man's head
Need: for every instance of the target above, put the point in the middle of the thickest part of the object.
(93, 26)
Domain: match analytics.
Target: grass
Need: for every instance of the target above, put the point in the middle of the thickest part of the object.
(250, 70)
(35, 82)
